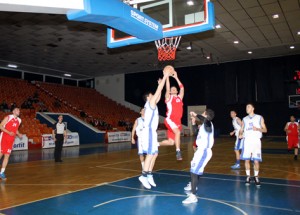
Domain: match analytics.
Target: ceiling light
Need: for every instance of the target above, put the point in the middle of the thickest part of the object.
(235, 42)
(190, 3)
(249, 52)
(68, 75)
(218, 26)
(298, 32)
(208, 57)
(275, 16)
(292, 47)
(12, 66)
(189, 48)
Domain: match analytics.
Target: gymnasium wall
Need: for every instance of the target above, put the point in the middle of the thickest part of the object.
(264, 82)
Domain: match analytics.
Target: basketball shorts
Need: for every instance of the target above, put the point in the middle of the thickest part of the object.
(251, 149)
(293, 142)
(6, 144)
(238, 144)
(148, 141)
(170, 124)
(200, 160)
(140, 147)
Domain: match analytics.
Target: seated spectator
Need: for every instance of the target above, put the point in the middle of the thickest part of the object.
(4, 106)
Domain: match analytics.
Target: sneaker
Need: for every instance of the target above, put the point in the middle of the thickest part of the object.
(145, 182)
(248, 180)
(235, 166)
(256, 181)
(189, 187)
(178, 155)
(2, 176)
(151, 180)
(190, 199)
(295, 157)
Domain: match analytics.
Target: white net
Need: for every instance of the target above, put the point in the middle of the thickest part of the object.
(167, 47)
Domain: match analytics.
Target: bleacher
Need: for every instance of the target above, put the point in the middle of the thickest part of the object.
(87, 104)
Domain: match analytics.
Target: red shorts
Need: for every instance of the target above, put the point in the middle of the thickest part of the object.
(170, 124)
(6, 144)
(293, 142)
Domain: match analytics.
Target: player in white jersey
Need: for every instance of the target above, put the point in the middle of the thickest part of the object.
(252, 128)
(236, 123)
(148, 138)
(205, 141)
(137, 129)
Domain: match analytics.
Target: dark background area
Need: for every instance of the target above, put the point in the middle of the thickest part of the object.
(264, 82)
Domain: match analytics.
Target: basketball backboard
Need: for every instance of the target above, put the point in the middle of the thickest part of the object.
(178, 17)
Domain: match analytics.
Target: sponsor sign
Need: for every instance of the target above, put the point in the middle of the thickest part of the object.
(122, 136)
(21, 143)
(72, 140)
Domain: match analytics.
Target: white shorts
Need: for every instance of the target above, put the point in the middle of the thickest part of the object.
(139, 146)
(238, 143)
(251, 149)
(148, 142)
(200, 160)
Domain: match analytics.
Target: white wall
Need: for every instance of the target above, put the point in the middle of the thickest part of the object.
(113, 86)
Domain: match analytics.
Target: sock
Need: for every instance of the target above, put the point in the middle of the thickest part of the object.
(237, 162)
(143, 165)
(194, 182)
(149, 173)
(177, 150)
(248, 172)
(144, 173)
(255, 173)
(2, 170)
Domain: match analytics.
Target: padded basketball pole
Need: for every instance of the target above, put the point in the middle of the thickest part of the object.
(118, 15)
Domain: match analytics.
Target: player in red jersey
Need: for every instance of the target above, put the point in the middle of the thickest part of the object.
(174, 104)
(9, 127)
(292, 131)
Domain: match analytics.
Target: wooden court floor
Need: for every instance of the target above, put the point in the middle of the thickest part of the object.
(36, 180)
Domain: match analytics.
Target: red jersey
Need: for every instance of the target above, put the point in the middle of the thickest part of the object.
(12, 125)
(174, 108)
(293, 129)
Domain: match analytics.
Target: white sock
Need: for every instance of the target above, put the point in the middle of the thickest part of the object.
(177, 150)
(2, 170)
(248, 172)
(256, 173)
(143, 165)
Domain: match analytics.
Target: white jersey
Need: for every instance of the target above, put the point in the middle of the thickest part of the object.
(236, 126)
(205, 140)
(249, 122)
(151, 117)
(139, 127)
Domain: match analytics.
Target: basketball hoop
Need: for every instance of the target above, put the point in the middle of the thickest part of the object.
(167, 47)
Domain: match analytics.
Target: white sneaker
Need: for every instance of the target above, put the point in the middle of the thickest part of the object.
(151, 180)
(190, 199)
(189, 187)
(145, 182)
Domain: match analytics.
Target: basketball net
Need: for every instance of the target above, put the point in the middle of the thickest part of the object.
(166, 48)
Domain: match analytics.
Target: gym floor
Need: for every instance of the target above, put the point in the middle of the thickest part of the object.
(103, 179)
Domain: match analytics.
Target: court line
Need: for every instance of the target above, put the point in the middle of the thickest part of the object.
(262, 206)
(68, 192)
(133, 170)
(225, 179)
(171, 194)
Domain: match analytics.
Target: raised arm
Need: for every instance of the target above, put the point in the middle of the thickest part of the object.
(181, 91)
(167, 95)
(155, 98)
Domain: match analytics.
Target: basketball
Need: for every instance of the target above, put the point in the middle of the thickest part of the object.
(169, 69)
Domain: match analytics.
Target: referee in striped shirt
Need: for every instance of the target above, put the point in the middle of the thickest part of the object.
(59, 135)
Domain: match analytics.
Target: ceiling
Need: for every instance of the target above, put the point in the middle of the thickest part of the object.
(50, 44)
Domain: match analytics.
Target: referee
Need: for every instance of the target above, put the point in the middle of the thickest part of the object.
(59, 134)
